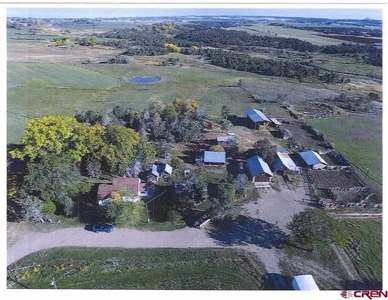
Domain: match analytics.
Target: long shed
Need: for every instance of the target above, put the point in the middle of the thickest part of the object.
(313, 159)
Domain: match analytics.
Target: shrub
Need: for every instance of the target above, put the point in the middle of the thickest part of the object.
(49, 207)
(175, 217)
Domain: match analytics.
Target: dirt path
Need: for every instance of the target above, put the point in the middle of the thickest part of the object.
(346, 263)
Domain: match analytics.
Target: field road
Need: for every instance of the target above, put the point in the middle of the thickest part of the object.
(123, 238)
(261, 224)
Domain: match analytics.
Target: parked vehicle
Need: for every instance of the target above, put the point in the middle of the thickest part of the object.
(103, 228)
(202, 221)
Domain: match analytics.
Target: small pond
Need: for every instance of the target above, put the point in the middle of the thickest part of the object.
(145, 79)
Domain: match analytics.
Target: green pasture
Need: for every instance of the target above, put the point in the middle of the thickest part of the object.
(308, 36)
(138, 269)
(39, 89)
(347, 65)
(358, 139)
(366, 248)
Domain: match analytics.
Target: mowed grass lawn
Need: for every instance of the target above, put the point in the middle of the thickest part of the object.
(357, 138)
(139, 269)
(40, 89)
(366, 248)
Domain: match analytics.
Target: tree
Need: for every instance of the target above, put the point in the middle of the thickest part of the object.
(93, 41)
(240, 184)
(225, 111)
(177, 163)
(231, 146)
(32, 208)
(126, 213)
(217, 148)
(93, 167)
(117, 149)
(175, 217)
(52, 135)
(225, 124)
(223, 204)
(315, 227)
(55, 178)
(266, 150)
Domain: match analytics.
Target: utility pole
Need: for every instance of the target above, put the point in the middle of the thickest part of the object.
(367, 172)
(148, 218)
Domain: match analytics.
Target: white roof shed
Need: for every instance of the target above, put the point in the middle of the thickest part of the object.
(305, 283)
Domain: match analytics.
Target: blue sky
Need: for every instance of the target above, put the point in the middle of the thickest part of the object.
(344, 13)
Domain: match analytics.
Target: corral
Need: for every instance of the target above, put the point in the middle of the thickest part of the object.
(333, 178)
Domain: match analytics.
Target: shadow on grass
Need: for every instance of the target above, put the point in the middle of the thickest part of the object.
(274, 281)
(362, 285)
(245, 230)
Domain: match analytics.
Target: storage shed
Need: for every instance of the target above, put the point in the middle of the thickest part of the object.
(211, 157)
(304, 283)
(259, 169)
(313, 159)
(257, 117)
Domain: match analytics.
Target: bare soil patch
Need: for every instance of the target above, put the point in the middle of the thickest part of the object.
(333, 178)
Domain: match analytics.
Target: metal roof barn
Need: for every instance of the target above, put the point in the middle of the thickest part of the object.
(284, 160)
(257, 166)
(312, 158)
(304, 282)
(256, 115)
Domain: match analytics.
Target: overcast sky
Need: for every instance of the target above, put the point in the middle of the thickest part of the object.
(124, 12)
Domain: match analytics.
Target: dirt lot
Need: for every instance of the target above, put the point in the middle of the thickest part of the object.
(333, 178)
(278, 207)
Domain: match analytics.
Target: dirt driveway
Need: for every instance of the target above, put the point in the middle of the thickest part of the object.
(260, 225)
(277, 207)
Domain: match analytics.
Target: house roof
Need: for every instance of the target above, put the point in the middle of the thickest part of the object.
(214, 157)
(304, 282)
(159, 169)
(256, 115)
(284, 160)
(257, 166)
(130, 184)
(312, 158)
(167, 169)
(224, 138)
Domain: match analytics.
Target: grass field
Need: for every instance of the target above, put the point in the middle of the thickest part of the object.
(266, 30)
(358, 139)
(366, 251)
(36, 90)
(348, 65)
(139, 269)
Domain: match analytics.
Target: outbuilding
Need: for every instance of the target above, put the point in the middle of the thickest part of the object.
(283, 161)
(211, 158)
(313, 160)
(259, 170)
(257, 117)
(304, 283)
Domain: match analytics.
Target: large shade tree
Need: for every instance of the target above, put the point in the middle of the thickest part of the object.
(55, 178)
(55, 135)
